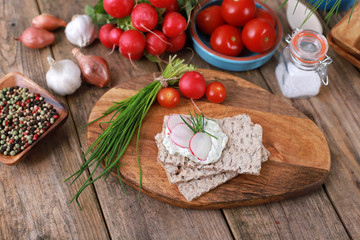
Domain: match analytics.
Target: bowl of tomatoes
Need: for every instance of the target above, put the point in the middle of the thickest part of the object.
(235, 35)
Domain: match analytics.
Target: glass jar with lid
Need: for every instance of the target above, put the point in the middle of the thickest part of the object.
(303, 64)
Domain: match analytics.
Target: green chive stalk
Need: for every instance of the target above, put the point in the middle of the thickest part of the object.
(127, 117)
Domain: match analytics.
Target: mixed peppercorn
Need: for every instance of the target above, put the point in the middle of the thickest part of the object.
(24, 116)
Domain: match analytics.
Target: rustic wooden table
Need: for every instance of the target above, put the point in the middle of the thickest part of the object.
(34, 202)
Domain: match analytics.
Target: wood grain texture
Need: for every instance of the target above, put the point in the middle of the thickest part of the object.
(295, 142)
(34, 202)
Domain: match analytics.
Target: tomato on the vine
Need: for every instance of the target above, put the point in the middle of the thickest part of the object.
(215, 92)
(238, 12)
(209, 19)
(168, 97)
(262, 13)
(226, 39)
(258, 35)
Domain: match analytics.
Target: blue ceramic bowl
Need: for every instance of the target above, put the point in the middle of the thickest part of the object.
(246, 60)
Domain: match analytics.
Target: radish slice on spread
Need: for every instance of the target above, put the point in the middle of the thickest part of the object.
(181, 135)
(175, 119)
(200, 145)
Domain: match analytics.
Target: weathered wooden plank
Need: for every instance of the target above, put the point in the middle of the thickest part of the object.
(125, 217)
(33, 199)
(336, 112)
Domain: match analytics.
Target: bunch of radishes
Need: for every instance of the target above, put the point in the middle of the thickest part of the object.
(145, 28)
(199, 143)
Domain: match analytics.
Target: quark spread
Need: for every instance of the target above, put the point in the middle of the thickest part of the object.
(217, 147)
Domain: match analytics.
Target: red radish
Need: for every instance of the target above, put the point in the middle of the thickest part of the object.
(174, 24)
(177, 43)
(162, 3)
(176, 119)
(174, 7)
(118, 8)
(192, 85)
(181, 135)
(94, 69)
(104, 35)
(132, 44)
(134, 56)
(114, 36)
(48, 22)
(200, 145)
(144, 17)
(156, 42)
(36, 38)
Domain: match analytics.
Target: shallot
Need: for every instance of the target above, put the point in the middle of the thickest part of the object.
(200, 145)
(174, 120)
(48, 22)
(181, 135)
(81, 31)
(63, 76)
(94, 69)
(36, 38)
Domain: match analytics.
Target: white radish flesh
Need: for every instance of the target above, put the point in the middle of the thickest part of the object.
(181, 135)
(175, 119)
(200, 145)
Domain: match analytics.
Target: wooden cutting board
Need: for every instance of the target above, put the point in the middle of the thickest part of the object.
(299, 161)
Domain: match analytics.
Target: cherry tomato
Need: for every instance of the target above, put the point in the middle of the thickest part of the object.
(209, 19)
(192, 85)
(168, 97)
(215, 92)
(174, 24)
(238, 12)
(262, 13)
(226, 39)
(258, 35)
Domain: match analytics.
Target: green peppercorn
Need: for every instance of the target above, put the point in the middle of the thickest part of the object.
(17, 145)
(5, 153)
(16, 137)
(12, 153)
(30, 142)
(3, 136)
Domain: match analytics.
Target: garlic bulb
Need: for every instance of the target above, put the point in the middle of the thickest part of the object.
(63, 76)
(81, 31)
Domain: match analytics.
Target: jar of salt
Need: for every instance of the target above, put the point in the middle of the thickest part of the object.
(303, 64)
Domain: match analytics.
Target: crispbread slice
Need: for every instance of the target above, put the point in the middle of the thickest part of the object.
(195, 188)
(177, 174)
(245, 140)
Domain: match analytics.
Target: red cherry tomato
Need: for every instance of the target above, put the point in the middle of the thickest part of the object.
(209, 19)
(262, 13)
(168, 97)
(192, 85)
(174, 24)
(226, 39)
(215, 92)
(238, 12)
(258, 35)
(176, 43)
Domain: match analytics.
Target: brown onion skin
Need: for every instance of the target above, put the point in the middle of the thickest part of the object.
(36, 38)
(94, 69)
(48, 22)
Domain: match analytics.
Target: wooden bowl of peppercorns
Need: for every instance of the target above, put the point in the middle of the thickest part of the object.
(28, 113)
